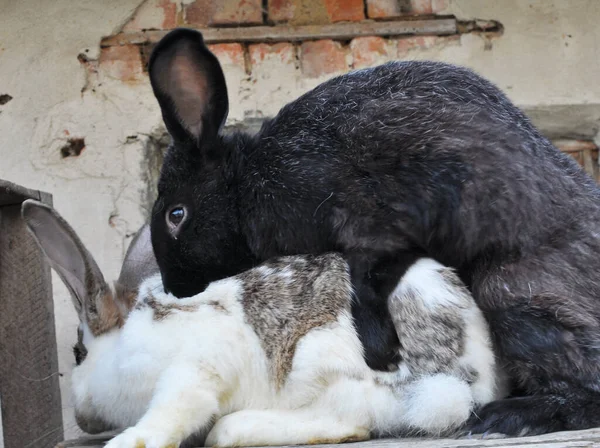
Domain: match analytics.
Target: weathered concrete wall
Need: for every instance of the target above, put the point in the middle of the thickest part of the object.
(82, 124)
(39, 44)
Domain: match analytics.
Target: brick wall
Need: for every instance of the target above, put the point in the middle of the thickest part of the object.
(309, 40)
(316, 55)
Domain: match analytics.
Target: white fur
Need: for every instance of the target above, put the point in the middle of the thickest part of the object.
(438, 402)
(424, 278)
(168, 378)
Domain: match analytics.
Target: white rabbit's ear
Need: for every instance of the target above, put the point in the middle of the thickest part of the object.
(139, 264)
(65, 252)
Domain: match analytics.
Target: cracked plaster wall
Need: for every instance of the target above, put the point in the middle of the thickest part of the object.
(547, 61)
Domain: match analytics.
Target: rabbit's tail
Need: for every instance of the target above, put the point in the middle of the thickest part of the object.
(437, 405)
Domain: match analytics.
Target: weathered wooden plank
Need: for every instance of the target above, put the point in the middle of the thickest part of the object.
(575, 145)
(1, 430)
(97, 440)
(587, 438)
(585, 152)
(11, 194)
(29, 377)
(339, 31)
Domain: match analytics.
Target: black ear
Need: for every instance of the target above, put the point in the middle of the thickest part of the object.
(189, 84)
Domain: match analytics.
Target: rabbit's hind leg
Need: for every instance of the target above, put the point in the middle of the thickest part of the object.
(283, 427)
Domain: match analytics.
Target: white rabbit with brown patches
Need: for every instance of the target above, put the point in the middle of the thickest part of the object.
(271, 355)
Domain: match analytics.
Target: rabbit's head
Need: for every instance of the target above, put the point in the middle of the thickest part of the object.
(195, 227)
(100, 309)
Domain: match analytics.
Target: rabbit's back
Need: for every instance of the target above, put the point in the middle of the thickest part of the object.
(408, 103)
(410, 153)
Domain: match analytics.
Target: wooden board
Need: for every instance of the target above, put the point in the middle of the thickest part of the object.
(29, 377)
(588, 438)
(339, 31)
(12, 194)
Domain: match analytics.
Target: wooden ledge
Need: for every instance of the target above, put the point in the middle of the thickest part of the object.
(570, 439)
(13, 194)
(339, 31)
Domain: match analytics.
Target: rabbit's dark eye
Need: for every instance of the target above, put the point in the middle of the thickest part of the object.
(176, 215)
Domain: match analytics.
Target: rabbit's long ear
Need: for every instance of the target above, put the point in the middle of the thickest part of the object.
(189, 84)
(65, 252)
(138, 265)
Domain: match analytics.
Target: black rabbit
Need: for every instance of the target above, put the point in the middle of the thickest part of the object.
(384, 165)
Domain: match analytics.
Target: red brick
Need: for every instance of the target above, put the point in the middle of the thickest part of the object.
(154, 14)
(322, 57)
(238, 11)
(303, 12)
(223, 12)
(380, 9)
(198, 13)
(228, 54)
(345, 10)
(368, 51)
(283, 51)
(377, 9)
(281, 10)
(122, 62)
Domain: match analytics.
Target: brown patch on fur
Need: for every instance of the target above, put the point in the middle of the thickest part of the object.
(287, 297)
(109, 310)
(103, 313)
(218, 307)
(125, 297)
(432, 338)
(162, 310)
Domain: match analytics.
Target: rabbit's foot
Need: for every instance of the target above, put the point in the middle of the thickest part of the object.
(269, 428)
(142, 438)
(468, 435)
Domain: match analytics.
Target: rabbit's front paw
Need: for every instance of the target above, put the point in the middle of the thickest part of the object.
(138, 438)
